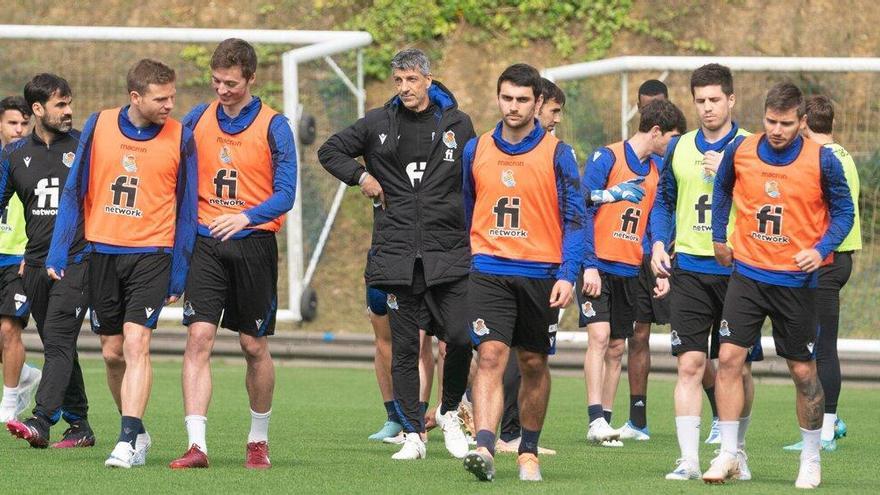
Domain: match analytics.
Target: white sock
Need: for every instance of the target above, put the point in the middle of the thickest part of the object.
(10, 397)
(195, 430)
(741, 432)
(811, 443)
(259, 427)
(728, 436)
(828, 421)
(687, 428)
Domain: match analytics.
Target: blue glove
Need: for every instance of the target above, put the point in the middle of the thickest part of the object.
(625, 191)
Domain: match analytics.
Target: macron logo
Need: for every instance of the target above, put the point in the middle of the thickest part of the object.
(259, 323)
(149, 311)
(382, 138)
(27, 162)
(78, 311)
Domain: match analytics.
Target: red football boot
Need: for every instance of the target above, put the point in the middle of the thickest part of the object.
(193, 458)
(29, 432)
(257, 456)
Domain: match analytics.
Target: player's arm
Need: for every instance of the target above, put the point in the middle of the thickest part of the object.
(838, 197)
(722, 201)
(71, 202)
(337, 155)
(572, 212)
(6, 188)
(283, 148)
(661, 219)
(468, 188)
(186, 224)
(595, 177)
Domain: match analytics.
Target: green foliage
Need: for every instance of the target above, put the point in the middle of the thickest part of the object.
(582, 28)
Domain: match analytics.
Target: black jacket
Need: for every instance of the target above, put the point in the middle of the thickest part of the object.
(425, 215)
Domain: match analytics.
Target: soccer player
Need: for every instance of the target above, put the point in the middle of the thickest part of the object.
(698, 282)
(793, 209)
(832, 278)
(247, 182)
(19, 379)
(35, 169)
(614, 254)
(412, 150)
(549, 115)
(651, 90)
(135, 166)
(527, 232)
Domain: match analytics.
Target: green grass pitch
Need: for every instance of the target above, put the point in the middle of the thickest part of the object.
(322, 416)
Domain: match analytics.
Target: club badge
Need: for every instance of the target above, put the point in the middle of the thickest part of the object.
(507, 178)
(449, 139)
(129, 163)
(68, 158)
(771, 187)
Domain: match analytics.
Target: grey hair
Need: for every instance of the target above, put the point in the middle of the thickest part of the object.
(411, 59)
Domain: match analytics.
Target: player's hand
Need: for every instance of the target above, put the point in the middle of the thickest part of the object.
(21, 269)
(53, 275)
(373, 190)
(661, 263)
(808, 260)
(227, 225)
(172, 299)
(711, 161)
(661, 289)
(723, 253)
(561, 294)
(592, 282)
(628, 190)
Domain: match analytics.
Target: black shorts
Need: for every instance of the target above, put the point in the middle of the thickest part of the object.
(616, 304)
(648, 308)
(236, 279)
(127, 288)
(791, 310)
(513, 310)
(14, 302)
(58, 303)
(696, 303)
(836, 275)
(378, 301)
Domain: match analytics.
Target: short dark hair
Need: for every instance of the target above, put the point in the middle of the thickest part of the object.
(783, 97)
(521, 75)
(15, 103)
(682, 125)
(820, 114)
(148, 71)
(662, 113)
(653, 87)
(43, 86)
(235, 52)
(550, 91)
(712, 75)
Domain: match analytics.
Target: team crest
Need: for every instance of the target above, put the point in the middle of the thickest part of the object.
(507, 178)
(392, 302)
(724, 330)
(225, 155)
(68, 158)
(449, 139)
(129, 163)
(19, 299)
(188, 309)
(674, 338)
(480, 327)
(771, 187)
(587, 309)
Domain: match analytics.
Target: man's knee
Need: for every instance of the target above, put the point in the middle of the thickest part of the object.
(491, 355)
(254, 347)
(113, 355)
(731, 359)
(803, 372)
(691, 366)
(532, 364)
(615, 350)
(199, 341)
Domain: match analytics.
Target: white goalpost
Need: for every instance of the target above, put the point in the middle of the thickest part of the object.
(311, 46)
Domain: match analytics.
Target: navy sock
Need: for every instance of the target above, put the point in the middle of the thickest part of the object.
(637, 410)
(510, 435)
(130, 428)
(606, 413)
(710, 394)
(486, 438)
(389, 410)
(594, 411)
(528, 443)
